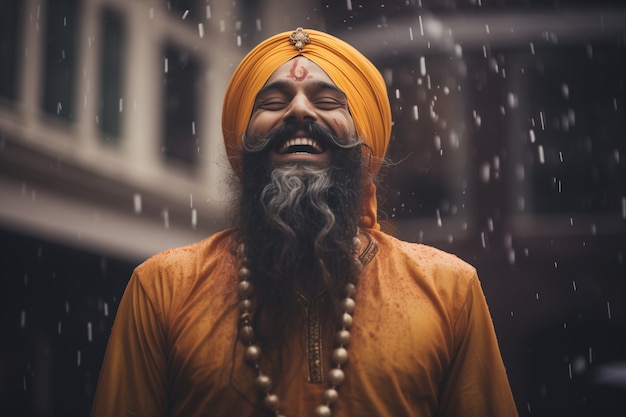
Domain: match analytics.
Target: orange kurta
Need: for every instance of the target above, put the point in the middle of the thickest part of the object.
(422, 345)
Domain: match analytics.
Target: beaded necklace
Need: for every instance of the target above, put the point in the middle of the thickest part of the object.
(252, 352)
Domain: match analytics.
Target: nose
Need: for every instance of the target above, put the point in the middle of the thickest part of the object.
(300, 110)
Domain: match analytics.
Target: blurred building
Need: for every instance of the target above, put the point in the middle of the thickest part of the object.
(508, 149)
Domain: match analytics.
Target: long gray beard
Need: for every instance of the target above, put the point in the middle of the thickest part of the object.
(298, 223)
(295, 198)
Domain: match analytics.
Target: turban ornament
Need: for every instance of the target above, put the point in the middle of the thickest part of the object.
(351, 72)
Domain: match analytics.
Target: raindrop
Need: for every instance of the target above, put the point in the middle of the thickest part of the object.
(531, 133)
(121, 105)
(137, 203)
(543, 122)
(415, 113)
(484, 172)
(106, 310)
(165, 65)
(608, 309)
(185, 14)
(194, 218)
(193, 128)
(23, 319)
(208, 12)
(512, 100)
(166, 218)
(458, 50)
(419, 18)
(477, 118)
(201, 30)
(349, 4)
(565, 90)
(511, 259)
(540, 154)
(59, 108)
(89, 332)
(423, 66)
(574, 285)
(78, 357)
(623, 207)
(59, 327)
(438, 214)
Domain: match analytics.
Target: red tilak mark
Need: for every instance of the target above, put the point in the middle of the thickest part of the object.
(298, 73)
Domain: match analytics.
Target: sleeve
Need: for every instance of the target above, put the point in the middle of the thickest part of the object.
(132, 380)
(476, 384)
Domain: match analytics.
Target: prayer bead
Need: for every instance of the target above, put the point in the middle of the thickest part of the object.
(245, 305)
(336, 376)
(246, 334)
(263, 383)
(245, 289)
(346, 320)
(271, 402)
(253, 352)
(244, 273)
(350, 290)
(340, 356)
(331, 396)
(343, 337)
(348, 305)
(323, 411)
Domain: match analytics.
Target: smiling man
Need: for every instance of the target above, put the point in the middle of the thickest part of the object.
(304, 307)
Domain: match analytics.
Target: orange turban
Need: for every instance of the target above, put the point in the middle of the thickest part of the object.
(352, 72)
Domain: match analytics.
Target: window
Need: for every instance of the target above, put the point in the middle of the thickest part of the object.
(428, 150)
(574, 125)
(111, 102)
(181, 81)
(60, 58)
(10, 11)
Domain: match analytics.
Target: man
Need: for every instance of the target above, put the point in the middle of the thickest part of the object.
(304, 307)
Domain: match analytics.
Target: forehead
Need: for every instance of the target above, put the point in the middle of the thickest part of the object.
(300, 69)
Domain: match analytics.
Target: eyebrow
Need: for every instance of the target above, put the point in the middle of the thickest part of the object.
(286, 85)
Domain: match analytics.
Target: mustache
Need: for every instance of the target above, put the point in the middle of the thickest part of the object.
(326, 138)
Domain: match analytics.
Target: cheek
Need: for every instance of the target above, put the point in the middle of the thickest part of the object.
(343, 125)
(260, 122)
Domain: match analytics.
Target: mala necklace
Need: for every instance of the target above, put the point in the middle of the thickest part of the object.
(252, 353)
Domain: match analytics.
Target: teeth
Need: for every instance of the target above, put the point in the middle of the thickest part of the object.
(300, 142)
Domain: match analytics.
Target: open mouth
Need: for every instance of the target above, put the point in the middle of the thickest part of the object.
(300, 145)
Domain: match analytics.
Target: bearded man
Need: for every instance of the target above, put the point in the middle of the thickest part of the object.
(304, 307)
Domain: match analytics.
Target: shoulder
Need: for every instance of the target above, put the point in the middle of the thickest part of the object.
(423, 256)
(212, 248)
(443, 275)
(195, 266)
